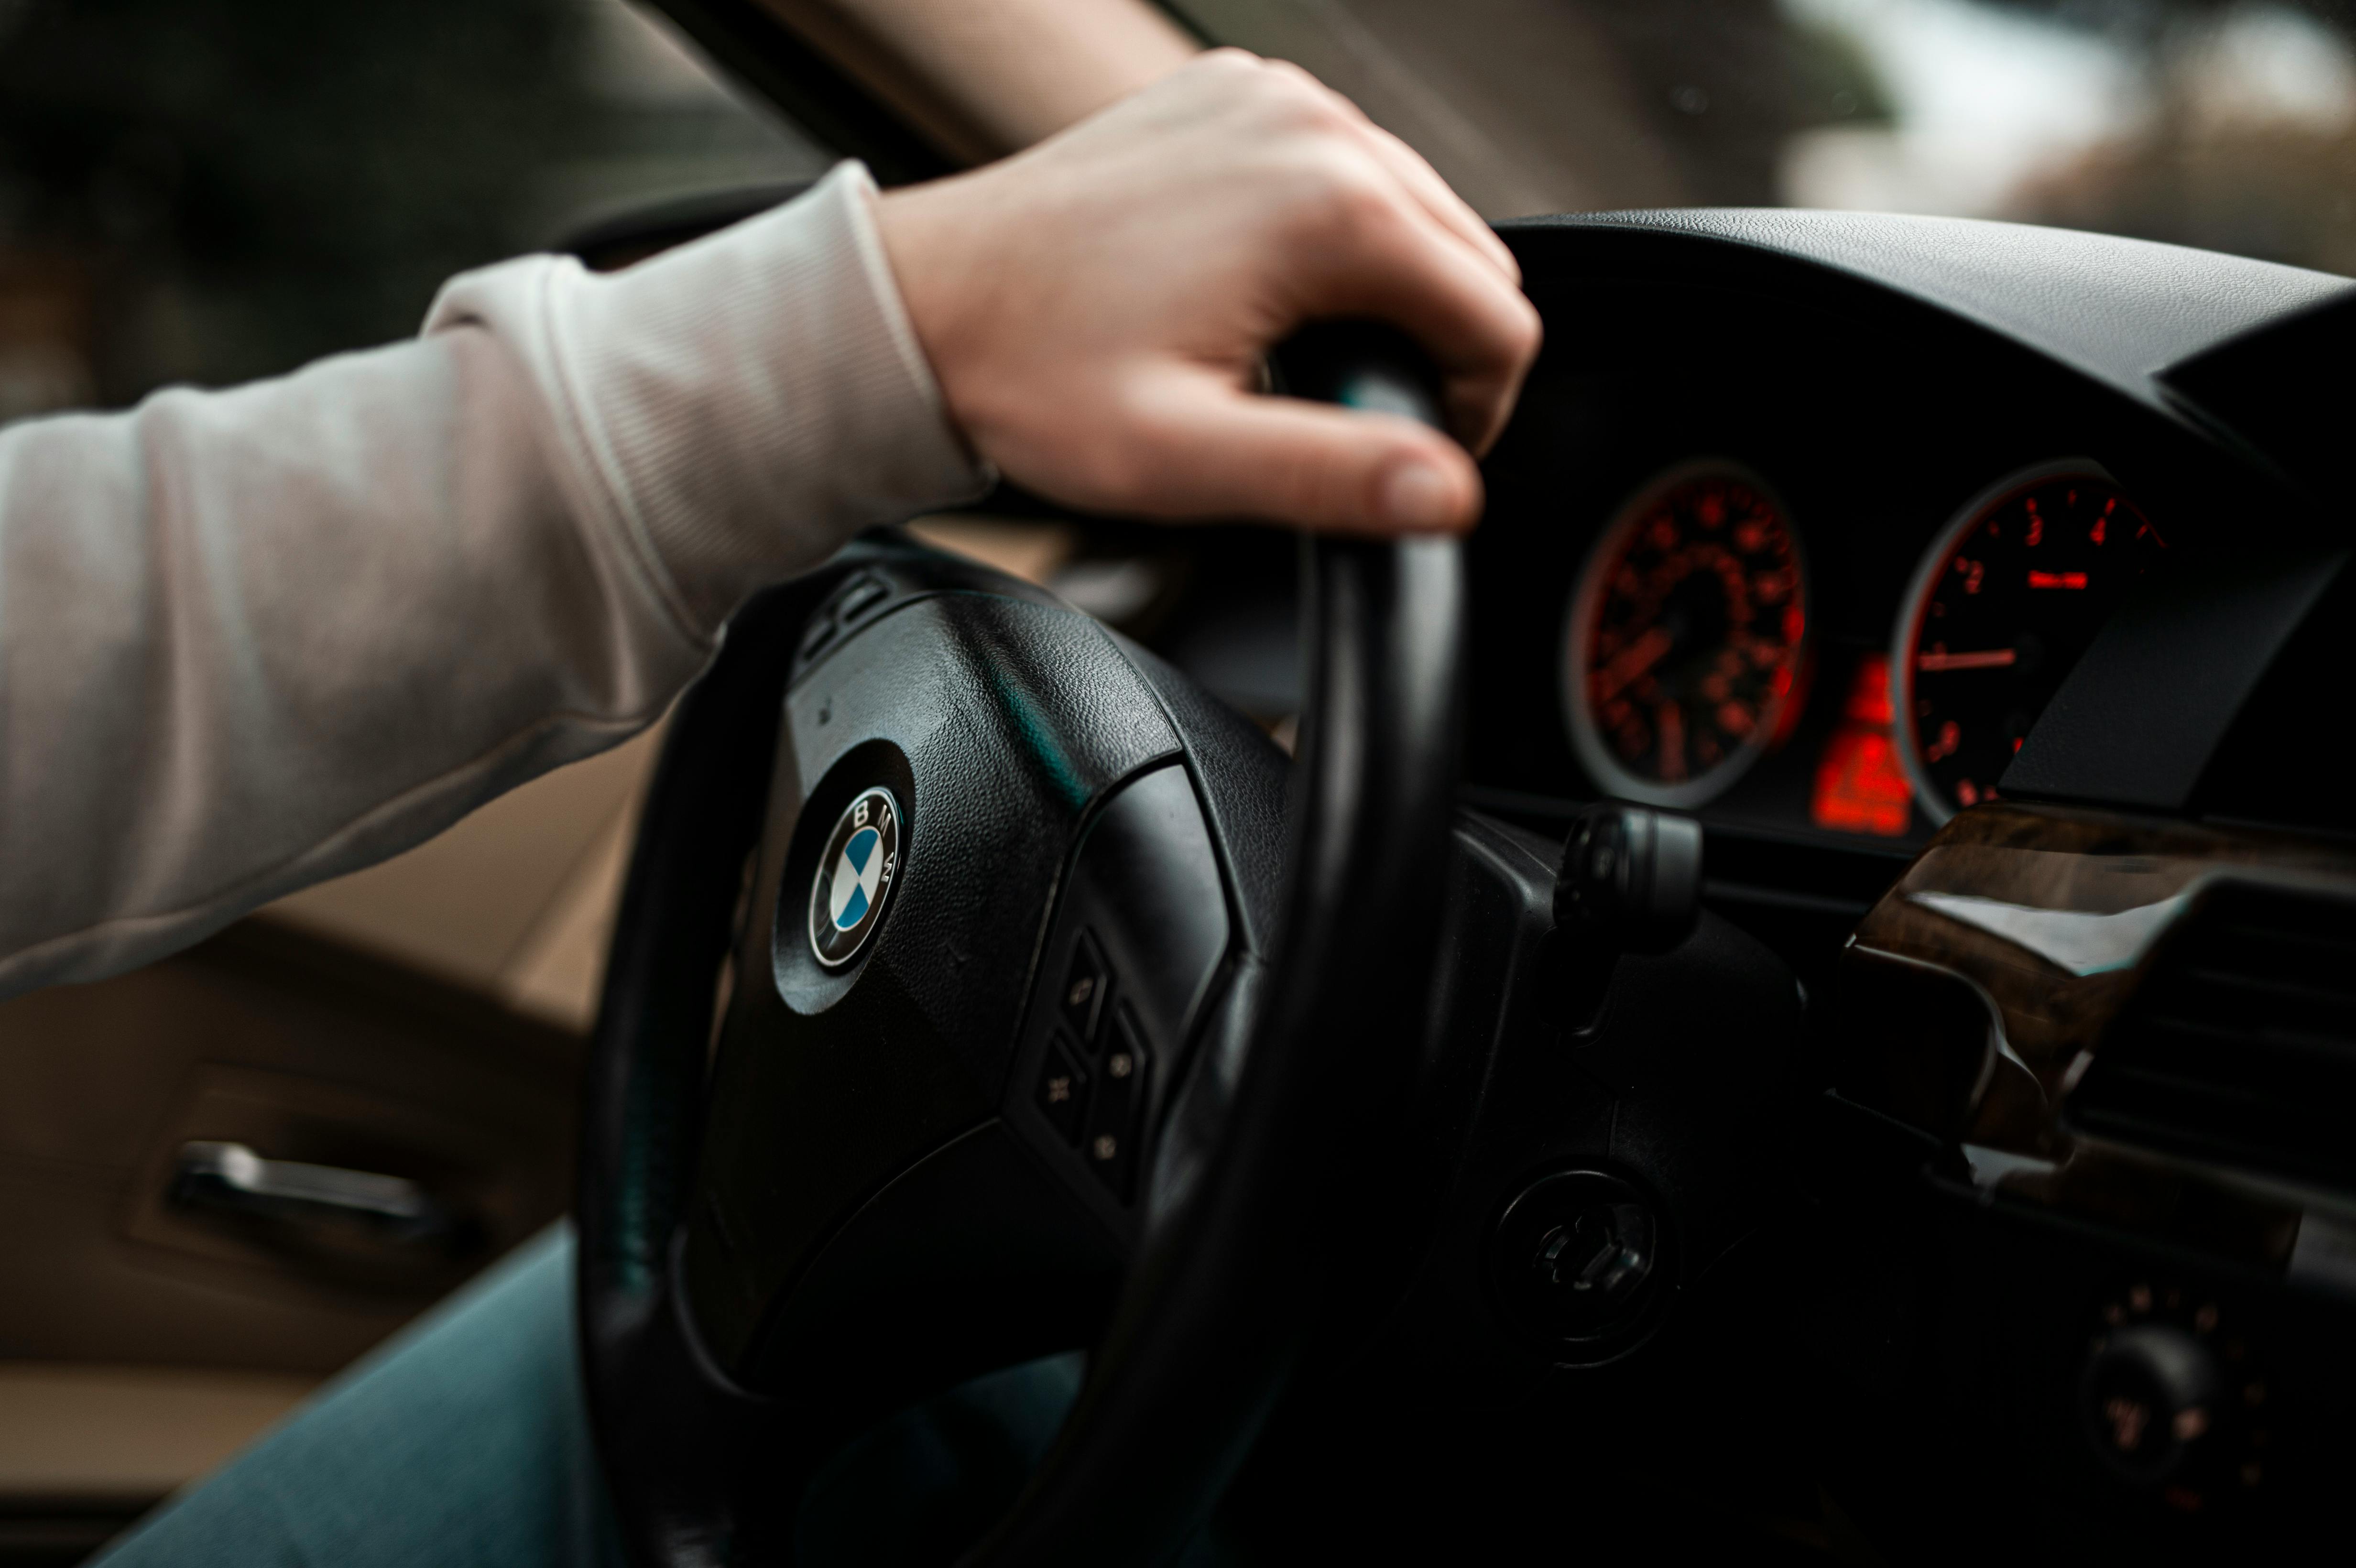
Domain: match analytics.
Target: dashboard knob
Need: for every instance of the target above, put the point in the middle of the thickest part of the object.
(2150, 1398)
(1630, 878)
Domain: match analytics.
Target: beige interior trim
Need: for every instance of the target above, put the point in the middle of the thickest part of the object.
(515, 901)
(1015, 546)
(126, 1436)
(983, 80)
(557, 973)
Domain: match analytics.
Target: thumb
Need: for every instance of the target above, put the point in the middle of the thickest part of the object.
(1208, 449)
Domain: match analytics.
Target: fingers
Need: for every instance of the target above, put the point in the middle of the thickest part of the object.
(1094, 313)
(1281, 460)
(1423, 182)
(1384, 255)
(1397, 243)
(1436, 195)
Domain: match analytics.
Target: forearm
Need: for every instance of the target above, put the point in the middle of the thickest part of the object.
(252, 639)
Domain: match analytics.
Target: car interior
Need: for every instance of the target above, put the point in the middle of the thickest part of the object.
(1784, 998)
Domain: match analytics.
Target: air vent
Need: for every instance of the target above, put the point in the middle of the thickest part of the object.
(2239, 1048)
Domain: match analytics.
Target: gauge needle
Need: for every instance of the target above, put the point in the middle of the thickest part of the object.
(1991, 658)
(1631, 662)
(1671, 719)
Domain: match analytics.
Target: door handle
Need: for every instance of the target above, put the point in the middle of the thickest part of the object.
(233, 1177)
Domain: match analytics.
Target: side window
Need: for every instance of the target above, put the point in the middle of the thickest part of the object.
(210, 190)
(207, 191)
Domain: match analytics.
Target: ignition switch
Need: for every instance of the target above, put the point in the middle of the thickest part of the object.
(1598, 1260)
(1578, 1258)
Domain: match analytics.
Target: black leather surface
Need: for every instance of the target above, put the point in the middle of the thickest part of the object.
(1007, 720)
(2283, 391)
(2143, 712)
(974, 1258)
(1004, 723)
(1145, 905)
(1241, 774)
(2119, 310)
(1259, 1149)
(670, 1436)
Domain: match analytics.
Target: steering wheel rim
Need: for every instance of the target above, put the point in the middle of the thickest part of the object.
(1227, 1272)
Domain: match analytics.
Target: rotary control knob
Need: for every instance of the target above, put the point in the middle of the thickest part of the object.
(2170, 1402)
(2151, 1400)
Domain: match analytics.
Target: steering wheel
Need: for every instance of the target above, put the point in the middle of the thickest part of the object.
(1047, 1009)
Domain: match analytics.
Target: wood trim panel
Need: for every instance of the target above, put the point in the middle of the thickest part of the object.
(1976, 993)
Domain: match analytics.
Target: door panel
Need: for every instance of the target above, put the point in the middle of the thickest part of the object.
(301, 1050)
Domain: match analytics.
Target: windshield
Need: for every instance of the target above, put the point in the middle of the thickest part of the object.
(2231, 126)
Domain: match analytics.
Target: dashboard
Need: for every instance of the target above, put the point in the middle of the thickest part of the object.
(1810, 565)
(1979, 592)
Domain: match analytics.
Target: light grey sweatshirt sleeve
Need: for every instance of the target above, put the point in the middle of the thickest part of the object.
(252, 639)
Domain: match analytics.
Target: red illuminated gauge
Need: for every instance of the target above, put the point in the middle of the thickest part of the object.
(2003, 605)
(1684, 637)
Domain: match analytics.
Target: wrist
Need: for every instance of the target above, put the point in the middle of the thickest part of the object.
(918, 227)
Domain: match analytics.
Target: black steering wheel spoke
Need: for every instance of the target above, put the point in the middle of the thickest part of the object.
(1131, 970)
(854, 1104)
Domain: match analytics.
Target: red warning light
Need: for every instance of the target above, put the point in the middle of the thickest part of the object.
(2057, 580)
(1868, 694)
(1861, 785)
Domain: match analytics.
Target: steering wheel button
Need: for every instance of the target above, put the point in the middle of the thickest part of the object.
(1085, 984)
(1113, 1156)
(818, 635)
(1113, 1124)
(1063, 1089)
(865, 594)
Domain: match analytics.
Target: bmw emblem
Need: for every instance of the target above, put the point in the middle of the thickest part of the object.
(854, 877)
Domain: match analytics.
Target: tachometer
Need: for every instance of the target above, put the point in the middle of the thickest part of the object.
(2010, 595)
(1685, 634)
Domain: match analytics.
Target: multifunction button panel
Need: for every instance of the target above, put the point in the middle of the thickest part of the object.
(1139, 934)
(1096, 1078)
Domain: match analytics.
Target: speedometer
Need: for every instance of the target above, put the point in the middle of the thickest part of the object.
(2009, 596)
(1685, 636)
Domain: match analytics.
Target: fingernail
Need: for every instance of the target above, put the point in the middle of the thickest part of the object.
(1418, 498)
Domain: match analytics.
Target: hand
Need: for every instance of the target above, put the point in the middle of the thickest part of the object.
(1098, 307)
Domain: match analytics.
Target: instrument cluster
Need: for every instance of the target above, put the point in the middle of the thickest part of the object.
(1688, 656)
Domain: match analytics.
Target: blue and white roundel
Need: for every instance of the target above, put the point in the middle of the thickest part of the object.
(854, 877)
(856, 872)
